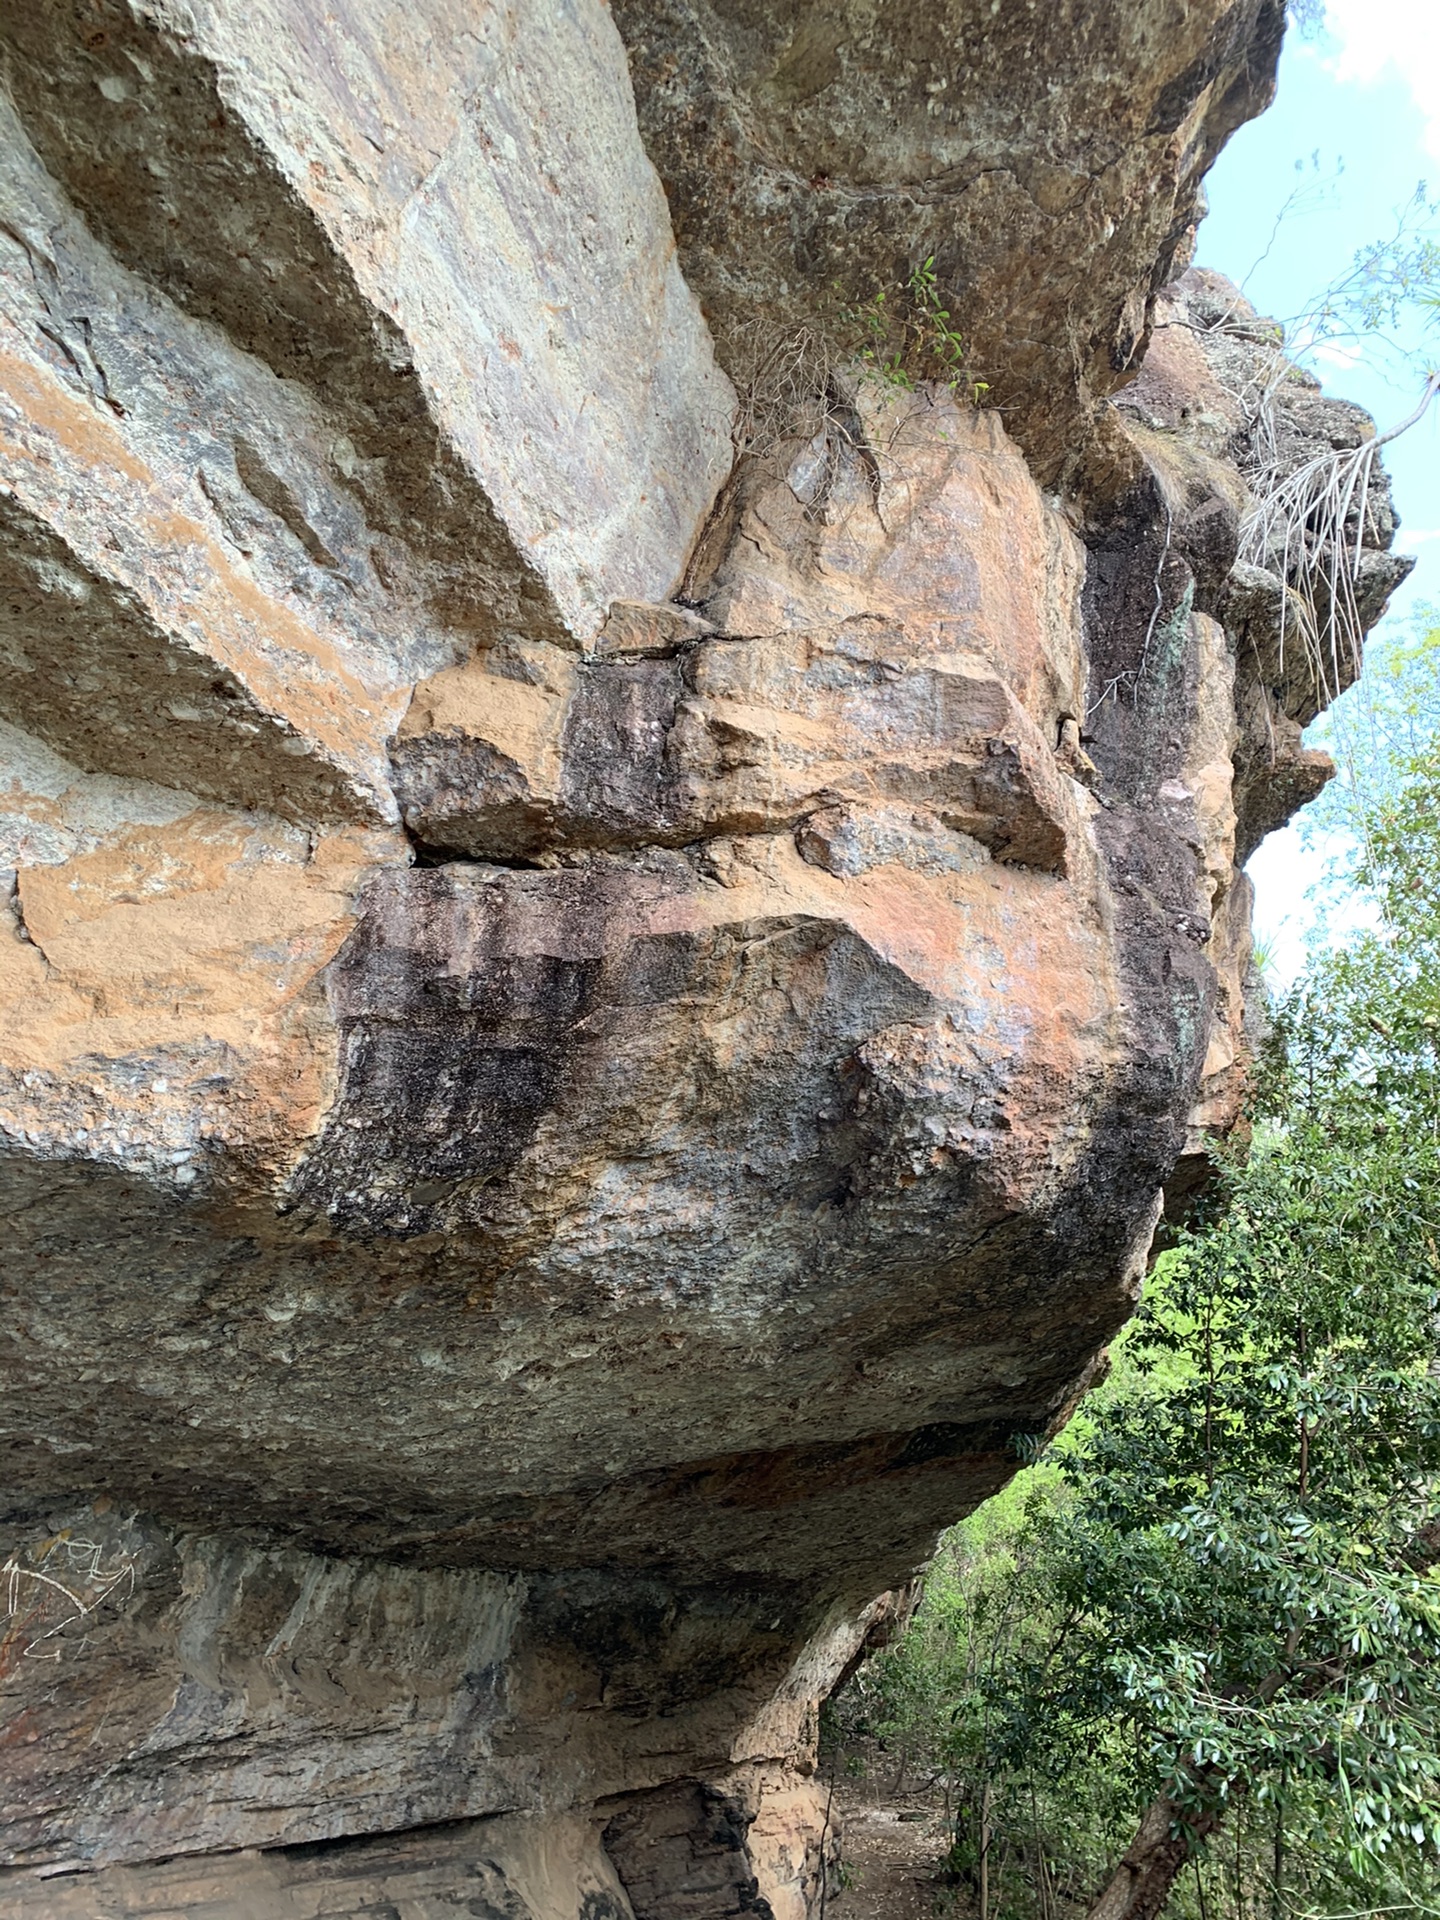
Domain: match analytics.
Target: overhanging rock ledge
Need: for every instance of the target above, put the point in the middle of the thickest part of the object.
(595, 1007)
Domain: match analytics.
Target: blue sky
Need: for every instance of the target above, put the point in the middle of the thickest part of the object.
(1354, 128)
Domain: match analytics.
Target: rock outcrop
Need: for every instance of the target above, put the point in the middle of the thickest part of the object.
(595, 1006)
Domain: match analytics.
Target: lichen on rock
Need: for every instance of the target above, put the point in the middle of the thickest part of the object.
(596, 1012)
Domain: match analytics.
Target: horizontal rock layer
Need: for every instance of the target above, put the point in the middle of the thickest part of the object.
(594, 1006)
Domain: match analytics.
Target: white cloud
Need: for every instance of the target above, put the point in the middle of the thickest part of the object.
(1372, 37)
(1336, 355)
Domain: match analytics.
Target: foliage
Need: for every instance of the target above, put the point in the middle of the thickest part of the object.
(1306, 16)
(788, 378)
(1218, 1595)
(1377, 734)
(907, 336)
(1378, 728)
(1391, 283)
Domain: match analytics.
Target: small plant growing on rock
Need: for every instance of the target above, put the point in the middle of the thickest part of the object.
(902, 337)
(912, 338)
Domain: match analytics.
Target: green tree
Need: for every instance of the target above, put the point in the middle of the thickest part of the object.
(1254, 1530)
(1377, 730)
(1217, 1614)
(1245, 1566)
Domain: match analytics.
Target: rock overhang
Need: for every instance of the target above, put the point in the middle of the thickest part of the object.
(588, 1121)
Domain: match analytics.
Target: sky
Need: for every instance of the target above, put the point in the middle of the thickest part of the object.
(1354, 129)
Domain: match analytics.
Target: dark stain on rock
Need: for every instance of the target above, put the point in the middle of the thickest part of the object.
(685, 1850)
(452, 1047)
(615, 785)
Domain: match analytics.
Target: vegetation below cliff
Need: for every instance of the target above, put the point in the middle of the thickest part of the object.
(1199, 1637)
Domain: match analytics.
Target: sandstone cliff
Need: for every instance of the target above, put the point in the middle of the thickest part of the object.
(595, 1002)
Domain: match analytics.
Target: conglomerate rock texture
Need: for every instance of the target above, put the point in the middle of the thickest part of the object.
(595, 1008)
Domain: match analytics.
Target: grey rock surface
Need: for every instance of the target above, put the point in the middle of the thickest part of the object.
(1048, 158)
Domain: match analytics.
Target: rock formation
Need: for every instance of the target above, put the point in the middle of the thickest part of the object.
(595, 1003)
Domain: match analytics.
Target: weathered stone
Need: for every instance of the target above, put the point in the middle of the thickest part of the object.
(504, 1868)
(639, 626)
(1215, 405)
(589, 1042)
(548, 431)
(897, 612)
(1048, 158)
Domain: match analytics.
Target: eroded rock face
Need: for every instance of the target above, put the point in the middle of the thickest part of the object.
(554, 1134)
(1216, 403)
(1047, 157)
(846, 615)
